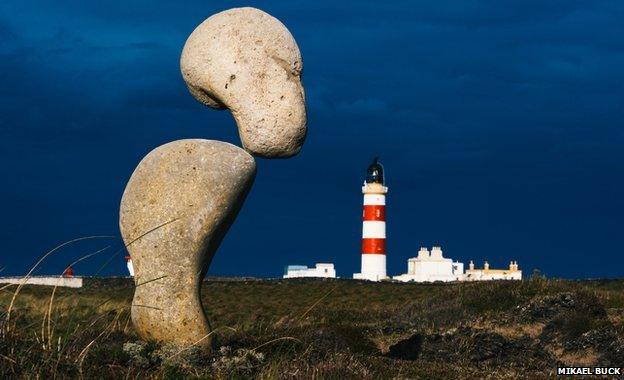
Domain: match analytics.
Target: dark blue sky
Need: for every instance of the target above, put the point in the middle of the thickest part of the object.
(500, 127)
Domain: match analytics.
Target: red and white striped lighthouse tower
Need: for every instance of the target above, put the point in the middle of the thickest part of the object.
(374, 225)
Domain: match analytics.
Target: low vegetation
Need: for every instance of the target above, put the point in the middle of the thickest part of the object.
(310, 328)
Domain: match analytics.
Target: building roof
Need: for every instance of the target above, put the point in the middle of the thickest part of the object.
(296, 267)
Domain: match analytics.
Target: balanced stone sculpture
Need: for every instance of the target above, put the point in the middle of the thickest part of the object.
(184, 195)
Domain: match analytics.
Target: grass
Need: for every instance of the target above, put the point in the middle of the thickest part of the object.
(313, 328)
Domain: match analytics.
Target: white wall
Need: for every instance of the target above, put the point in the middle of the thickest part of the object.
(482, 275)
(67, 282)
(430, 271)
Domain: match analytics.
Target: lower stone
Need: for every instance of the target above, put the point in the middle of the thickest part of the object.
(177, 207)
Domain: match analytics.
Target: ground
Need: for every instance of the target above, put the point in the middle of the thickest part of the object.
(315, 328)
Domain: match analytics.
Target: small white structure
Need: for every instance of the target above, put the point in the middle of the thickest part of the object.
(129, 265)
(321, 270)
(431, 267)
(485, 274)
(67, 282)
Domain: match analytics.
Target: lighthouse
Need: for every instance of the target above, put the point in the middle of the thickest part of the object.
(374, 225)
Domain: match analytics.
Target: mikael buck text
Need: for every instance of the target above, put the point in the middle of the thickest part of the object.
(585, 371)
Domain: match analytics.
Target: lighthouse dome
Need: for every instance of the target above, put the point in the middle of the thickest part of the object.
(375, 172)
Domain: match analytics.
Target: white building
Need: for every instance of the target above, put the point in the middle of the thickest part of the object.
(67, 282)
(321, 270)
(513, 273)
(431, 267)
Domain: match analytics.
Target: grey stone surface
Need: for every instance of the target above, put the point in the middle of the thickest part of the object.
(247, 61)
(198, 186)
